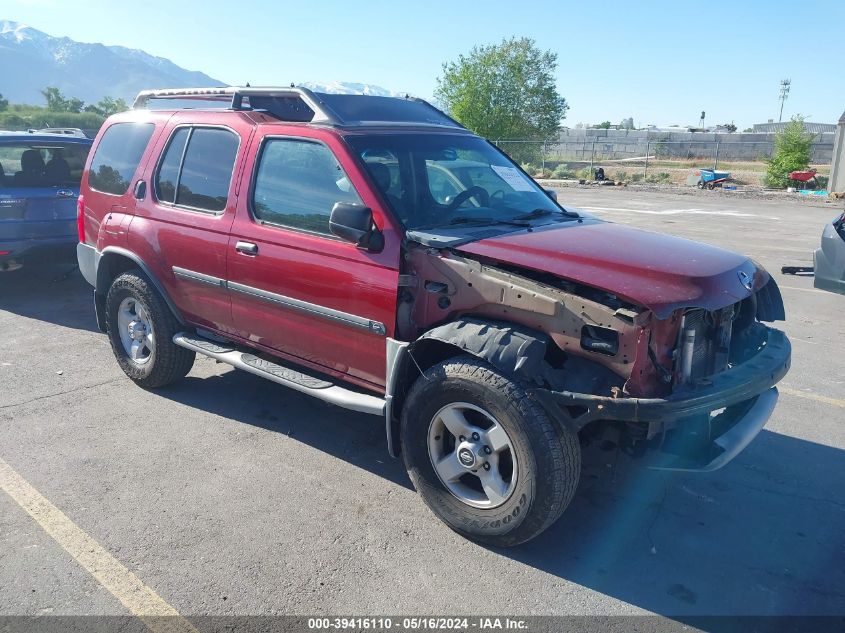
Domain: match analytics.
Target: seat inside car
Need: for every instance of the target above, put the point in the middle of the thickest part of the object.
(57, 169)
(32, 169)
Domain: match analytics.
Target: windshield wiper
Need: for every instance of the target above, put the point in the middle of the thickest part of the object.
(538, 213)
(467, 219)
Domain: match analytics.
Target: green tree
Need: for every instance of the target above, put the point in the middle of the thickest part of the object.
(730, 127)
(793, 148)
(107, 106)
(604, 125)
(4, 104)
(504, 91)
(56, 102)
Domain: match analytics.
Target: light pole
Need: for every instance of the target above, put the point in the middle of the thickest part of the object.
(784, 93)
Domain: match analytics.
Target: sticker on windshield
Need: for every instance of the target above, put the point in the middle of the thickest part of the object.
(512, 176)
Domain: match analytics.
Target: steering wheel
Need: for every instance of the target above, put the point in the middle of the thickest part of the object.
(472, 192)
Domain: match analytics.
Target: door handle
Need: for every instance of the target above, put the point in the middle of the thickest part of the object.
(247, 248)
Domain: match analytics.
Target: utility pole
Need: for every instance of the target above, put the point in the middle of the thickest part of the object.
(784, 93)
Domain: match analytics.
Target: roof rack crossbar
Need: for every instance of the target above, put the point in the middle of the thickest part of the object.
(235, 95)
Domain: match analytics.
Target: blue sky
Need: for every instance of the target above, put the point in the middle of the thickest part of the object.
(659, 62)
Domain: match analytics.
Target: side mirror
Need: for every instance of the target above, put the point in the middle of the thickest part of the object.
(551, 193)
(354, 223)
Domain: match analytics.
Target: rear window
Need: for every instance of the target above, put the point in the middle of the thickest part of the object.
(42, 164)
(118, 155)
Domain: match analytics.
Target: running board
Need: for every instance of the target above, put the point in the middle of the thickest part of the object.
(318, 387)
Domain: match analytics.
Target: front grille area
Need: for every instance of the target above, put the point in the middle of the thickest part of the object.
(704, 342)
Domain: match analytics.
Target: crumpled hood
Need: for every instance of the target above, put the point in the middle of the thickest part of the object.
(654, 270)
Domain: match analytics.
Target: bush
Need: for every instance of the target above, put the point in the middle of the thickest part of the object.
(621, 176)
(542, 173)
(562, 171)
(793, 148)
(638, 177)
(658, 178)
(585, 174)
(20, 119)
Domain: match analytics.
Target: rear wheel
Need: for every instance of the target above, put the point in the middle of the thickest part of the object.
(140, 329)
(484, 456)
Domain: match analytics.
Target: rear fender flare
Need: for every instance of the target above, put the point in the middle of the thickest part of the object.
(105, 277)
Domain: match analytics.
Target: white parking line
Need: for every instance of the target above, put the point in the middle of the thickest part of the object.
(141, 601)
(718, 212)
(816, 290)
(834, 402)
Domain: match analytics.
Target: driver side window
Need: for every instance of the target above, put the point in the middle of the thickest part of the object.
(297, 184)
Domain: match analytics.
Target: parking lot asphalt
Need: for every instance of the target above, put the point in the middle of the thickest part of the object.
(228, 495)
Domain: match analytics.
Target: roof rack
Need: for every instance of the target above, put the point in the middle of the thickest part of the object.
(235, 95)
(304, 106)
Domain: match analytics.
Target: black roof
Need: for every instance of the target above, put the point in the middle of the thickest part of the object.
(304, 106)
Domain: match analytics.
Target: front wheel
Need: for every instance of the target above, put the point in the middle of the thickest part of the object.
(141, 328)
(484, 456)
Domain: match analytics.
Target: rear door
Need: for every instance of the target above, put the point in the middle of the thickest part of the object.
(184, 219)
(296, 288)
(38, 204)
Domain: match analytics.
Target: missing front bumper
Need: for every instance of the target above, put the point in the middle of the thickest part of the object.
(746, 392)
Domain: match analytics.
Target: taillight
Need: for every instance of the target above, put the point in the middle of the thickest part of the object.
(80, 219)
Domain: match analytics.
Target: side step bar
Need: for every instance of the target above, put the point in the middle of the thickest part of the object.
(313, 386)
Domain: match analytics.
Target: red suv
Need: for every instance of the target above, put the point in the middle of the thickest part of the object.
(375, 254)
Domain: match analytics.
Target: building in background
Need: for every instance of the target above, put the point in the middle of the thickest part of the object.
(773, 127)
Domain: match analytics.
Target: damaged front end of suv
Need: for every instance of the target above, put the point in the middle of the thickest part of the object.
(681, 362)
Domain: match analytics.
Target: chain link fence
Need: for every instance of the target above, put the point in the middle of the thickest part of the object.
(651, 160)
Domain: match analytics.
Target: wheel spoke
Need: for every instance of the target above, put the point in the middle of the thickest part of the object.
(494, 487)
(497, 439)
(455, 421)
(149, 342)
(449, 468)
(135, 350)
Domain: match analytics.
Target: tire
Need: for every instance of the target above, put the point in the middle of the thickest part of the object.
(545, 458)
(158, 361)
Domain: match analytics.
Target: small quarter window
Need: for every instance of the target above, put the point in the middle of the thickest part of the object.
(117, 157)
(168, 172)
(298, 183)
(196, 170)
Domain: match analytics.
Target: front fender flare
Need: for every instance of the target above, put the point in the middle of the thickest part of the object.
(511, 348)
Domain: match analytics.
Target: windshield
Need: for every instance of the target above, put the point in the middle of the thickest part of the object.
(50, 164)
(437, 180)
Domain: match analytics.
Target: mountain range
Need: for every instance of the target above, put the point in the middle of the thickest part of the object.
(32, 60)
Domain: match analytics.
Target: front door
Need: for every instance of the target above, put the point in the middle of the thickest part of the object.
(298, 290)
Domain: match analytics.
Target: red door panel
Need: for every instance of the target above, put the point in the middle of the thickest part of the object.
(314, 297)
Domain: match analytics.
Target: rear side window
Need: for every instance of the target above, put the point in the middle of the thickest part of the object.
(196, 170)
(298, 183)
(117, 157)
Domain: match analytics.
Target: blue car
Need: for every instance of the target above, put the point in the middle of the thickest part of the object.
(39, 186)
